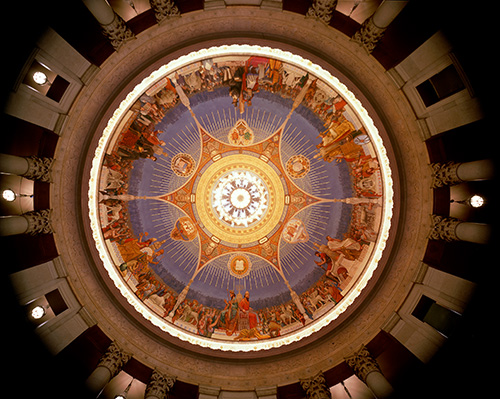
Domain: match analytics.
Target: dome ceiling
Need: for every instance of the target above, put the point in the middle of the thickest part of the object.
(240, 198)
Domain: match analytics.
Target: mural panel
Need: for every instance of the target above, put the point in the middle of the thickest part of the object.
(241, 198)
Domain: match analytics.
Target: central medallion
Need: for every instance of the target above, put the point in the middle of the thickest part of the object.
(240, 198)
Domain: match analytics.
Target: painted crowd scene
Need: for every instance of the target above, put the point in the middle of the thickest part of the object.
(324, 156)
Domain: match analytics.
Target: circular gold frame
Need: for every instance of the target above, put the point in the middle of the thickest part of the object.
(223, 231)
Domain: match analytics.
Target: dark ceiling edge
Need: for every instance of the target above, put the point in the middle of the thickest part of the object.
(81, 186)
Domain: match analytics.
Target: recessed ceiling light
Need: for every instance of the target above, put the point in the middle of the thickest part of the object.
(476, 201)
(8, 195)
(38, 312)
(40, 78)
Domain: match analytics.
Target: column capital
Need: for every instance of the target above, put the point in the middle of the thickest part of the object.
(322, 10)
(114, 359)
(117, 32)
(444, 174)
(315, 387)
(368, 35)
(374, 27)
(362, 363)
(444, 228)
(39, 222)
(39, 169)
(159, 385)
(164, 9)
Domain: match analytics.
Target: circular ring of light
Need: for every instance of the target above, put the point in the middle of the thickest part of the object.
(363, 116)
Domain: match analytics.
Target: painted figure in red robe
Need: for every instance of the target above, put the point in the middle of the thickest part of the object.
(248, 319)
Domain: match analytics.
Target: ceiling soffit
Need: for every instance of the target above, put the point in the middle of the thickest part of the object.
(125, 69)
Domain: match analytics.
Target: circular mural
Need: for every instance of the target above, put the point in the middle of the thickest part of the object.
(240, 198)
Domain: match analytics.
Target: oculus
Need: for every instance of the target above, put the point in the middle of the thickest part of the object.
(240, 198)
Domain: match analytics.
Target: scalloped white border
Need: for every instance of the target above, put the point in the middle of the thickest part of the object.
(367, 122)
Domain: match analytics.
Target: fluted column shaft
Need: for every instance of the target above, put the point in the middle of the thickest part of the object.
(101, 10)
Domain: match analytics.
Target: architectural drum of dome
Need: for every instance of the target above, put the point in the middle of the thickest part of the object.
(264, 147)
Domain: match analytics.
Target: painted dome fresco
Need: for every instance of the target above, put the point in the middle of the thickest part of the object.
(240, 198)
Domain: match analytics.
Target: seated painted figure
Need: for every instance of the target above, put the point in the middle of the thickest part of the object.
(247, 318)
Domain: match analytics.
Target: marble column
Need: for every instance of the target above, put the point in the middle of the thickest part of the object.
(374, 27)
(366, 368)
(33, 168)
(452, 229)
(33, 223)
(110, 364)
(113, 26)
(159, 385)
(315, 387)
(451, 173)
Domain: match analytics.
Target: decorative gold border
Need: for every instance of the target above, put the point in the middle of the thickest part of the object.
(275, 207)
(313, 69)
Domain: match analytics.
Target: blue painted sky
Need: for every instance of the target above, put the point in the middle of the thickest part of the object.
(326, 180)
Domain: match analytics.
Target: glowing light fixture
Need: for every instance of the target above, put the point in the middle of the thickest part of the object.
(8, 195)
(476, 201)
(40, 78)
(37, 312)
